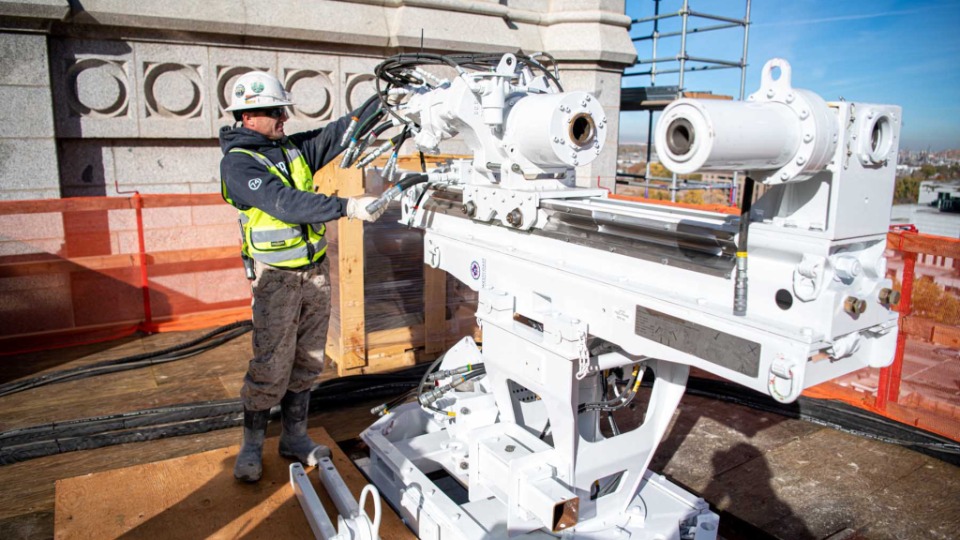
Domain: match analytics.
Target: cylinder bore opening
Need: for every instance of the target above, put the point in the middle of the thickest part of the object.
(582, 129)
(880, 138)
(680, 137)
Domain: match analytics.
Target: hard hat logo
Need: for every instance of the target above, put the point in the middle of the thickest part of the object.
(257, 87)
(239, 90)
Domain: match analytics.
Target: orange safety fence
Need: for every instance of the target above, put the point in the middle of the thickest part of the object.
(920, 388)
(82, 270)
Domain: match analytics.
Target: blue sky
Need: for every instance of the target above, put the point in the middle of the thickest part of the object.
(905, 53)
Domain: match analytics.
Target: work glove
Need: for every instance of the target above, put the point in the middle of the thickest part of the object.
(357, 209)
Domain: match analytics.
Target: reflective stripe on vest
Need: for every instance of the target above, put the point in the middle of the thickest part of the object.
(274, 242)
(277, 259)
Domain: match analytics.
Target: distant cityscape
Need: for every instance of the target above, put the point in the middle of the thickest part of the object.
(909, 161)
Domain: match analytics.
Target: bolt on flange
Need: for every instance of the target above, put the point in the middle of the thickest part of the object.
(515, 217)
(889, 297)
(854, 306)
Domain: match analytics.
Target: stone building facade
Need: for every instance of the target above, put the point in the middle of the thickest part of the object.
(105, 96)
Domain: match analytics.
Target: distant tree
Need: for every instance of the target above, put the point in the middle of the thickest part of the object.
(931, 301)
(656, 169)
(692, 197)
(659, 194)
(906, 190)
(717, 196)
(927, 170)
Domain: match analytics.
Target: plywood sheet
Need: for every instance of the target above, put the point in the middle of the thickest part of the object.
(196, 496)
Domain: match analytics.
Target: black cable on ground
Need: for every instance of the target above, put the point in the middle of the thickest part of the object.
(187, 419)
(187, 349)
(58, 437)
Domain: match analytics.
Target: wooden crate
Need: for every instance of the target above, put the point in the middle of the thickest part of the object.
(355, 343)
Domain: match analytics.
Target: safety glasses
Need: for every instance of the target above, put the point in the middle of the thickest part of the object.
(275, 113)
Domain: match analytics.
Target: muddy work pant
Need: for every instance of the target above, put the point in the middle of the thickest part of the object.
(291, 312)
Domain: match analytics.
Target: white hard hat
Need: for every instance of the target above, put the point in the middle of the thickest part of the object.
(258, 90)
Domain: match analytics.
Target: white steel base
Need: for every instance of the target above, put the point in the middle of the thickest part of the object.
(408, 446)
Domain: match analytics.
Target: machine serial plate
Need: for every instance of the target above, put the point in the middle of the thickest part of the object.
(731, 352)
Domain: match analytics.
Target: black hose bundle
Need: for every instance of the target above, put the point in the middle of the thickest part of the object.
(391, 192)
(23, 444)
(191, 418)
(208, 341)
(403, 70)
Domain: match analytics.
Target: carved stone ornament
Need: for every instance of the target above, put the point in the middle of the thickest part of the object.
(172, 90)
(359, 87)
(312, 93)
(98, 88)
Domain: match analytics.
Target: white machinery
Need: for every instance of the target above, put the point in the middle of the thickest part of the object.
(353, 523)
(580, 294)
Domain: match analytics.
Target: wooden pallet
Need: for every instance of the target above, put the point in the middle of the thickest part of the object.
(350, 344)
(196, 496)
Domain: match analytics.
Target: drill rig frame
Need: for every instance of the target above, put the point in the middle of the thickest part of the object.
(580, 295)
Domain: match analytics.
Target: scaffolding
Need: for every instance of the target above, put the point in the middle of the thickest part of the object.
(655, 98)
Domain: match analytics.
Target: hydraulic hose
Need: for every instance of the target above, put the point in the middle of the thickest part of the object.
(187, 349)
(622, 401)
(38, 441)
(394, 190)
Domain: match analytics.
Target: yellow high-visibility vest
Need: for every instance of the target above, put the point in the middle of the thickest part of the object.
(274, 242)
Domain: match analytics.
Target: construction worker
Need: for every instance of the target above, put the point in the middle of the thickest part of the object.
(268, 176)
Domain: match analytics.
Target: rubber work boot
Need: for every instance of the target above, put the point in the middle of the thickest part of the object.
(294, 442)
(249, 467)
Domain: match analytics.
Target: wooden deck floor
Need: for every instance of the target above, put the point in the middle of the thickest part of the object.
(788, 478)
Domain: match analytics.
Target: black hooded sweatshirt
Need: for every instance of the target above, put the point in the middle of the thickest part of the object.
(239, 172)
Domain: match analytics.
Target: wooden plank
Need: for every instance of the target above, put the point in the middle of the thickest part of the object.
(389, 363)
(411, 162)
(434, 309)
(412, 337)
(352, 319)
(706, 95)
(196, 496)
(389, 358)
(392, 349)
(351, 347)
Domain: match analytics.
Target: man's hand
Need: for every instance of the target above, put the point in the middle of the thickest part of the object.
(357, 209)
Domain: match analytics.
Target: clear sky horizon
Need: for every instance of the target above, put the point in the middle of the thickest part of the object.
(874, 51)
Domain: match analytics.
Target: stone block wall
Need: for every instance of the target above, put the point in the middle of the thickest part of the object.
(101, 95)
(28, 152)
(107, 97)
(145, 116)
